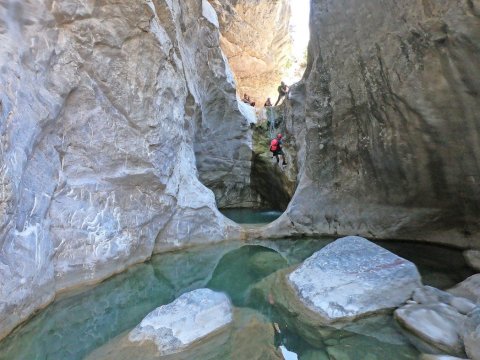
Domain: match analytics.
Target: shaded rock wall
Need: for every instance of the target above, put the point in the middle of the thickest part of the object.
(223, 138)
(98, 110)
(386, 122)
(256, 40)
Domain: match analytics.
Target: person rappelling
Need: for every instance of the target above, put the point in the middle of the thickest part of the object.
(276, 149)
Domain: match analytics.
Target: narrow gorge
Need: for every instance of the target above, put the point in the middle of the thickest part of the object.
(123, 137)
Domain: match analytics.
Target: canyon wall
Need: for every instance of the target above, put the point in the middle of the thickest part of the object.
(101, 107)
(257, 42)
(386, 122)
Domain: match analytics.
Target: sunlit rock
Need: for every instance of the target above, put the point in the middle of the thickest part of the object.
(189, 318)
(249, 337)
(257, 42)
(355, 293)
(348, 279)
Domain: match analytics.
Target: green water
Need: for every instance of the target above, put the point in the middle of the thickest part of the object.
(73, 327)
(249, 216)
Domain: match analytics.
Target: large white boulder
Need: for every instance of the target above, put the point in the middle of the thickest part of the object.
(193, 316)
(353, 277)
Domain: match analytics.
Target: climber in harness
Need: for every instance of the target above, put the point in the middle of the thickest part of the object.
(276, 149)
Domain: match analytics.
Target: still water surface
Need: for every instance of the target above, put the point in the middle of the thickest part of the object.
(73, 327)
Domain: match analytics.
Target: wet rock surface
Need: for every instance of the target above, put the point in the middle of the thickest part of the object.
(348, 279)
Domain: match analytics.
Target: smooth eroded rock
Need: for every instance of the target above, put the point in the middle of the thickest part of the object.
(469, 288)
(177, 325)
(473, 258)
(429, 295)
(249, 337)
(471, 335)
(437, 326)
(351, 277)
(439, 357)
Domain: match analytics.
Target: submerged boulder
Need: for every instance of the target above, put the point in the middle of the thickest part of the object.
(191, 317)
(351, 278)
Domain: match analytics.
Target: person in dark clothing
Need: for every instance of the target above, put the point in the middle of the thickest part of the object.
(268, 103)
(282, 92)
(276, 148)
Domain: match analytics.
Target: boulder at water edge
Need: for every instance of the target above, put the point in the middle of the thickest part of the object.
(435, 321)
(471, 335)
(436, 327)
(177, 325)
(353, 277)
(249, 337)
(469, 288)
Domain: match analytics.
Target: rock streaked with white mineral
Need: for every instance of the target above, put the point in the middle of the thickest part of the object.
(353, 277)
(191, 317)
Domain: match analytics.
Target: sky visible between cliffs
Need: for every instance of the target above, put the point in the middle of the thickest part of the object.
(300, 31)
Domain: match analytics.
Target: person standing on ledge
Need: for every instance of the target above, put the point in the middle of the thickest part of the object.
(282, 92)
(268, 103)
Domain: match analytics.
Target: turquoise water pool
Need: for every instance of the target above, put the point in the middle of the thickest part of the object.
(73, 327)
(248, 216)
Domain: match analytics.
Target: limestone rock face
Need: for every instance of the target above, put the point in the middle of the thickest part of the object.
(99, 108)
(177, 325)
(386, 122)
(347, 279)
(223, 138)
(256, 41)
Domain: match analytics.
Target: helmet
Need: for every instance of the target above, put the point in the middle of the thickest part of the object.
(279, 136)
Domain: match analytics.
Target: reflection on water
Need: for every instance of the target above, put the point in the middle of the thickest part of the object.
(251, 216)
(73, 327)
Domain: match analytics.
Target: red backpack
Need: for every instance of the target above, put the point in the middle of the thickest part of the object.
(274, 145)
